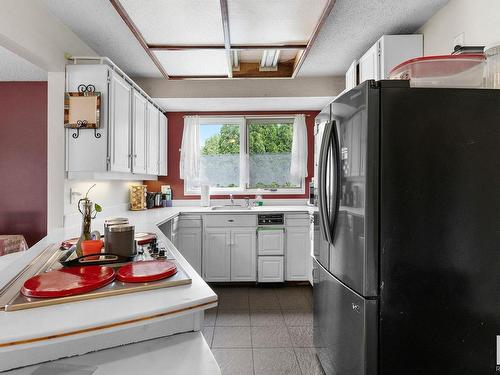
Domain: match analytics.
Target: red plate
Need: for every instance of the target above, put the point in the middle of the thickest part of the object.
(145, 271)
(68, 281)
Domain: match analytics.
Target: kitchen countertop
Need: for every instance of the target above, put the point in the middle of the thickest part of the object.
(71, 318)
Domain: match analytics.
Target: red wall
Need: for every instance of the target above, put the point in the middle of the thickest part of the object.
(23, 159)
(175, 127)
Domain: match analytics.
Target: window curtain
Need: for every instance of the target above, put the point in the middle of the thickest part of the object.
(190, 149)
(298, 165)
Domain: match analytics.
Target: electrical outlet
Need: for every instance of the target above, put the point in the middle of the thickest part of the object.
(458, 40)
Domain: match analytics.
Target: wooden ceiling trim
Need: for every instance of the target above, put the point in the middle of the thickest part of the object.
(227, 38)
(198, 77)
(326, 12)
(181, 47)
(133, 28)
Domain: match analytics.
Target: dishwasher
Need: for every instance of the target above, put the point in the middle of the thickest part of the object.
(271, 248)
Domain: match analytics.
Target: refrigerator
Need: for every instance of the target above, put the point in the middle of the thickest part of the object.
(407, 256)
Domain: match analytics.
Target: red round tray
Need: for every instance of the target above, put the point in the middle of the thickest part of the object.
(145, 271)
(68, 281)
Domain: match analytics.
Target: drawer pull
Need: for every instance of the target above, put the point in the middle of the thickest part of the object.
(231, 220)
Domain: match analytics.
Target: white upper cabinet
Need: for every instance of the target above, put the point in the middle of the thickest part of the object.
(351, 76)
(369, 64)
(139, 105)
(153, 139)
(386, 53)
(163, 146)
(120, 123)
(129, 141)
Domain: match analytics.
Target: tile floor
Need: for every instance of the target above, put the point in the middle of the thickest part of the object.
(265, 330)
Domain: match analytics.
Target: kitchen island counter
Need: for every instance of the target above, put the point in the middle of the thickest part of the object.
(47, 333)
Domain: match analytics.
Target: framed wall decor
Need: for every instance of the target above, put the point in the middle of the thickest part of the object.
(82, 108)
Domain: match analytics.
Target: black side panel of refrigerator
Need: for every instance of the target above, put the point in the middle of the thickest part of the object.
(440, 231)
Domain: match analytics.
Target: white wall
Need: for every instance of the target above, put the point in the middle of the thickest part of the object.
(113, 196)
(479, 20)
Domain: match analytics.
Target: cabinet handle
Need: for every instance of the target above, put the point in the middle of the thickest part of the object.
(231, 220)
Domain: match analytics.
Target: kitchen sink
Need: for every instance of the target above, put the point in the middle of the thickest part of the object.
(230, 207)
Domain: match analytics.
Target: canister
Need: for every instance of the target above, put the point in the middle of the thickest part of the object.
(121, 240)
(110, 222)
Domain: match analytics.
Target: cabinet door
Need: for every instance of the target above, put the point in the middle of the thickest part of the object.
(163, 146)
(243, 254)
(140, 105)
(351, 76)
(298, 253)
(120, 124)
(153, 139)
(188, 242)
(369, 64)
(271, 269)
(217, 254)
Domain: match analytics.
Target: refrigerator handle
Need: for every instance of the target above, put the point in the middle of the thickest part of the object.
(325, 145)
(338, 171)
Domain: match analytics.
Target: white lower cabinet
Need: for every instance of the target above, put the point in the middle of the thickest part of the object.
(270, 269)
(298, 253)
(188, 242)
(229, 254)
(217, 254)
(243, 254)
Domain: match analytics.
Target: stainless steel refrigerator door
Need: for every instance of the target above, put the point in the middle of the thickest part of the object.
(353, 256)
(345, 327)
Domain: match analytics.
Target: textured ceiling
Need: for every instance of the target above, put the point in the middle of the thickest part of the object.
(15, 68)
(244, 104)
(98, 24)
(354, 25)
(351, 28)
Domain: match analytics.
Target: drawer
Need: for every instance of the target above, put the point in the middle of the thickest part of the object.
(189, 221)
(297, 220)
(230, 220)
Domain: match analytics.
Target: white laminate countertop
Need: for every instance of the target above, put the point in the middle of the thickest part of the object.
(17, 326)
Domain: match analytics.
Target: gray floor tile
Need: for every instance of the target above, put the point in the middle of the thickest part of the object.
(277, 361)
(233, 318)
(210, 316)
(298, 317)
(308, 362)
(270, 337)
(233, 302)
(234, 361)
(266, 318)
(232, 337)
(208, 333)
(267, 301)
(298, 301)
(302, 337)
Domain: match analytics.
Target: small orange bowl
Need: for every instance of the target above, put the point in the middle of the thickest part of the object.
(92, 246)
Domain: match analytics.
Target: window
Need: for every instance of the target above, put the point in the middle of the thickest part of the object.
(270, 153)
(245, 155)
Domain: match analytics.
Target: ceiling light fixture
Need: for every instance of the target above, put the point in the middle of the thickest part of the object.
(270, 59)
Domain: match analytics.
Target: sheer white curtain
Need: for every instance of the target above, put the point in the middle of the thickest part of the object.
(298, 165)
(190, 149)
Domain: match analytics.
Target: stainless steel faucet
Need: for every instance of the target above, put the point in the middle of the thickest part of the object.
(231, 199)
